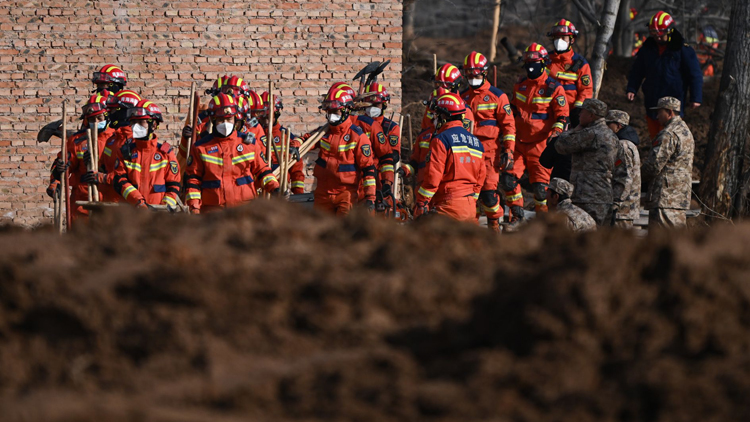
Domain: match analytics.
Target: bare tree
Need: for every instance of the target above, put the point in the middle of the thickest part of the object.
(724, 186)
(601, 47)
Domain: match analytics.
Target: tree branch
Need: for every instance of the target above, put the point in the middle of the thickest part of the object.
(586, 13)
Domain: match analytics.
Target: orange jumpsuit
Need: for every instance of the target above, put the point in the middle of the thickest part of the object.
(107, 162)
(573, 72)
(494, 124)
(541, 111)
(454, 174)
(146, 170)
(222, 170)
(297, 171)
(77, 146)
(345, 159)
(391, 131)
(202, 126)
(417, 163)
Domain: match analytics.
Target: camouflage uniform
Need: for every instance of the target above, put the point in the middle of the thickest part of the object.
(626, 180)
(668, 169)
(578, 219)
(594, 149)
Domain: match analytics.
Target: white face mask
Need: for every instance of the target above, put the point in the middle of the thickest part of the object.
(373, 112)
(561, 45)
(225, 128)
(475, 83)
(101, 125)
(140, 131)
(333, 118)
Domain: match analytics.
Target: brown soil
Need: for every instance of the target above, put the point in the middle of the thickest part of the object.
(274, 313)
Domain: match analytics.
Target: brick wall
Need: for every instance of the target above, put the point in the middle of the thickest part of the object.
(48, 50)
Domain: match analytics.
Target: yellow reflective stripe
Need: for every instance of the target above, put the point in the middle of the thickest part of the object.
(79, 154)
(476, 196)
(127, 191)
(513, 198)
(578, 104)
(298, 184)
(194, 195)
(540, 203)
(460, 149)
(107, 151)
(410, 168)
(521, 97)
(424, 192)
(211, 159)
(509, 138)
(348, 147)
(541, 100)
(558, 125)
(158, 166)
(131, 165)
(568, 76)
(488, 106)
(496, 208)
(325, 145)
(475, 153)
(242, 158)
(369, 181)
(387, 168)
(424, 144)
(170, 201)
(268, 179)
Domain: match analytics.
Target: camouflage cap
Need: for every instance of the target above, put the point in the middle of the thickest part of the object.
(618, 116)
(595, 106)
(668, 103)
(561, 186)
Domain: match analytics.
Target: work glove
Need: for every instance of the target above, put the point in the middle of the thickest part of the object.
(401, 172)
(187, 132)
(294, 152)
(87, 158)
(53, 189)
(94, 177)
(142, 204)
(386, 190)
(58, 168)
(506, 161)
(370, 205)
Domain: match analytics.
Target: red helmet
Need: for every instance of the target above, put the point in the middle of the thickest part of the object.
(633, 13)
(436, 93)
(339, 99)
(449, 104)
(561, 28)
(216, 87)
(223, 105)
(475, 64)
(660, 23)
(255, 104)
(380, 95)
(145, 110)
(96, 105)
(125, 98)
(344, 86)
(243, 108)
(235, 86)
(535, 53)
(448, 76)
(110, 74)
(277, 106)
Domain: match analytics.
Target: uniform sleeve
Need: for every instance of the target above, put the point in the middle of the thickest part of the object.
(585, 86)
(637, 72)
(172, 180)
(692, 72)
(366, 164)
(507, 124)
(193, 179)
(433, 173)
(480, 179)
(379, 142)
(661, 151)
(123, 185)
(620, 174)
(560, 109)
(262, 171)
(571, 142)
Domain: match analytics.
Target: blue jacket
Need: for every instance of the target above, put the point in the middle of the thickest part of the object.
(671, 74)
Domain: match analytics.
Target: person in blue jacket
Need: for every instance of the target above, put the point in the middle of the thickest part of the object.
(667, 67)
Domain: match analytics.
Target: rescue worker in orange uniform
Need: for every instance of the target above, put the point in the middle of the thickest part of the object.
(146, 170)
(541, 112)
(569, 68)
(456, 167)
(223, 165)
(448, 77)
(417, 162)
(496, 129)
(117, 106)
(110, 78)
(94, 112)
(708, 45)
(345, 159)
(377, 99)
(297, 170)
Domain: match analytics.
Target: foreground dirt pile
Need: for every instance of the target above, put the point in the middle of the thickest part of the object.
(274, 313)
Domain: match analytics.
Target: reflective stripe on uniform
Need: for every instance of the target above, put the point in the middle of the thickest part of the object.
(170, 201)
(427, 194)
(578, 104)
(513, 198)
(127, 191)
(369, 181)
(540, 203)
(388, 168)
(131, 165)
(194, 195)
(268, 179)
(347, 147)
(211, 159)
(568, 76)
(424, 144)
(541, 100)
(242, 158)
(409, 167)
(509, 138)
(298, 184)
(325, 145)
(107, 151)
(488, 106)
(158, 165)
(558, 125)
(521, 96)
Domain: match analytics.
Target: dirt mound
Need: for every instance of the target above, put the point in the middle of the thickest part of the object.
(273, 312)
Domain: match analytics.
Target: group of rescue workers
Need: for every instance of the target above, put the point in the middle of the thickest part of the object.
(581, 159)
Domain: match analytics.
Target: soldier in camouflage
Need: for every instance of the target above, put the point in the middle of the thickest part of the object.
(594, 149)
(558, 199)
(668, 168)
(626, 180)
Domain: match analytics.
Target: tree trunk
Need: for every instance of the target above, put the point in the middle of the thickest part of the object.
(722, 180)
(601, 47)
(495, 28)
(623, 38)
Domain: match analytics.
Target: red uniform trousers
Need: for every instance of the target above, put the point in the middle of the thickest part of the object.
(526, 158)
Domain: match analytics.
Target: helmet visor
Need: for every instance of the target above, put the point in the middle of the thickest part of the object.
(92, 109)
(559, 31)
(334, 105)
(532, 56)
(471, 71)
(140, 113)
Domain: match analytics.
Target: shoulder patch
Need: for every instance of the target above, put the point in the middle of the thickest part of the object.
(381, 137)
(393, 139)
(586, 80)
(561, 100)
(173, 167)
(497, 91)
(263, 140)
(358, 130)
(507, 109)
(366, 150)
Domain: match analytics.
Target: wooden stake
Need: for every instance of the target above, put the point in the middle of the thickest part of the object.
(64, 184)
(285, 140)
(269, 132)
(397, 165)
(307, 146)
(95, 157)
(434, 64)
(90, 165)
(495, 27)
